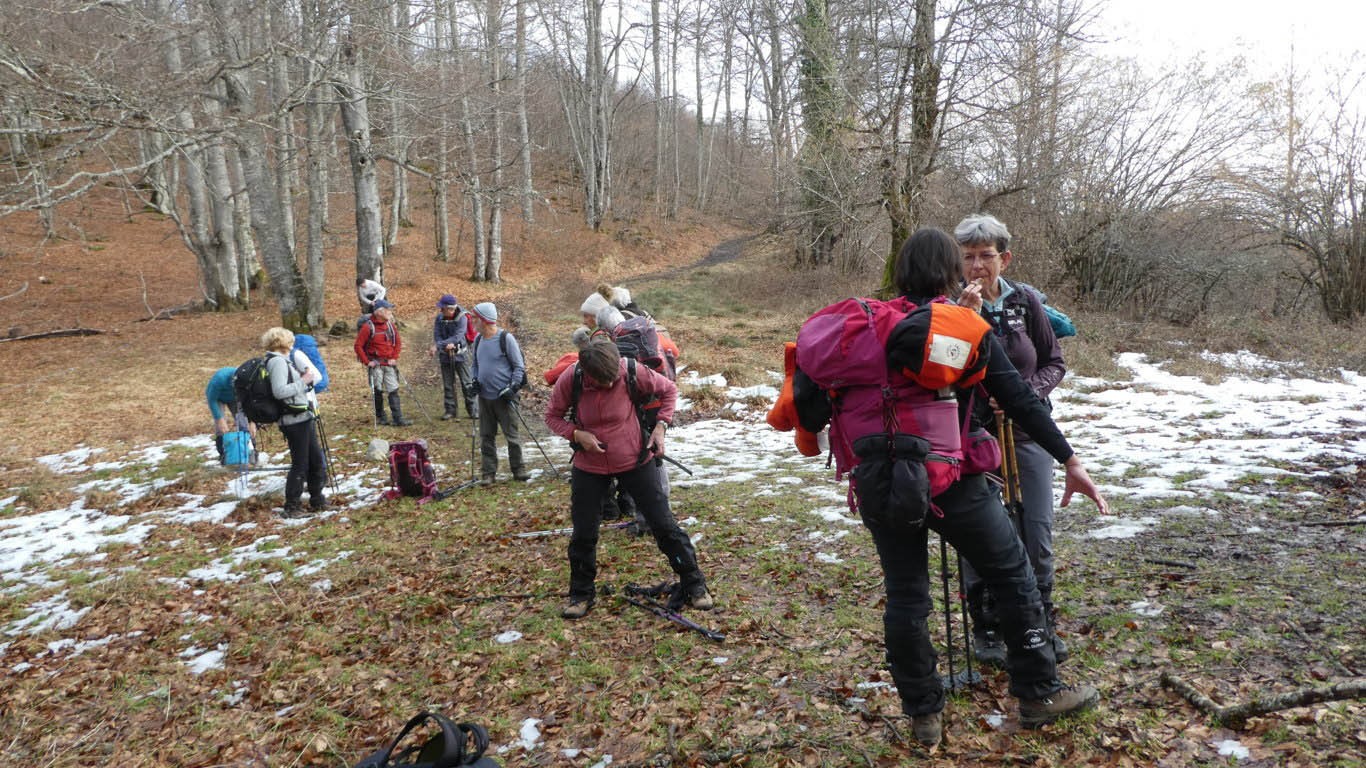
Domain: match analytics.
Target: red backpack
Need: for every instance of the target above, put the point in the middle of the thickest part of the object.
(411, 473)
(895, 432)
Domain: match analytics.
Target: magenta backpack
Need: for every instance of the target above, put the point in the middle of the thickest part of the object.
(899, 442)
(411, 472)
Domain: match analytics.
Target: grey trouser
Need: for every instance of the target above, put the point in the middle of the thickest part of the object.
(1036, 529)
(498, 414)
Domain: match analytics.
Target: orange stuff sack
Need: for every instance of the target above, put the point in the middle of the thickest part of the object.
(940, 345)
(783, 415)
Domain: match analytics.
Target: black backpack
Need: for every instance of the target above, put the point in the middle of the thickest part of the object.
(503, 346)
(251, 384)
(455, 745)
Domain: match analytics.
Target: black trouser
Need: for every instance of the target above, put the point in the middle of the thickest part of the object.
(585, 502)
(451, 371)
(975, 524)
(305, 462)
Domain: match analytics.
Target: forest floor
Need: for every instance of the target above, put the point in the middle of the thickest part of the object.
(154, 610)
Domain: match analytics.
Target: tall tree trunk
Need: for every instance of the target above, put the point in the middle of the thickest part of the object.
(523, 124)
(286, 176)
(474, 185)
(493, 28)
(355, 112)
(257, 174)
(699, 124)
(441, 207)
(224, 240)
(656, 51)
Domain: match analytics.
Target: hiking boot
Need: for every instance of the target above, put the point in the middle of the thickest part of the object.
(521, 478)
(395, 407)
(380, 418)
(577, 607)
(321, 505)
(1063, 702)
(448, 415)
(486, 481)
(700, 598)
(292, 509)
(989, 649)
(928, 729)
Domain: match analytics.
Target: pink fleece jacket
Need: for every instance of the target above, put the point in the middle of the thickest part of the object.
(609, 414)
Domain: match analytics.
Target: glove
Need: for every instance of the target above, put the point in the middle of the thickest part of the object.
(472, 390)
(507, 393)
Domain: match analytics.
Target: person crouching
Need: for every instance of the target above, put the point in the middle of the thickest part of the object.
(609, 443)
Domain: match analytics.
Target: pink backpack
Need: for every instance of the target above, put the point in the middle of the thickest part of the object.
(900, 442)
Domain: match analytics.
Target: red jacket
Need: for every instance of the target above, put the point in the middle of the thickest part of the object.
(565, 362)
(379, 341)
(610, 415)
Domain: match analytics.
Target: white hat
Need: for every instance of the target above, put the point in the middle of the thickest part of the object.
(593, 303)
(486, 311)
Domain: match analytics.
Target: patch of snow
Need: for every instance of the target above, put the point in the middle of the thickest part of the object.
(200, 660)
(826, 557)
(510, 636)
(719, 660)
(70, 462)
(1123, 528)
(1145, 608)
(1232, 748)
(527, 736)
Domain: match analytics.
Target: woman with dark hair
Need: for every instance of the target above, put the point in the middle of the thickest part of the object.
(609, 442)
(929, 267)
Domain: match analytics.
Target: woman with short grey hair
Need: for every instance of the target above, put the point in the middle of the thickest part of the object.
(1024, 332)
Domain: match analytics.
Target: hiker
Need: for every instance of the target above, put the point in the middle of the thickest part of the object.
(593, 304)
(620, 298)
(450, 343)
(378, 345)
(291, 386)
(1025, 334)
(498, 374)
(368, 292)
(222, 401)
(969, 516)
(609, 442)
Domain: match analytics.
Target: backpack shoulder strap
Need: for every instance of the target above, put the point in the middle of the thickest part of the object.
(631, 381)
(503, 342)
(575, 392)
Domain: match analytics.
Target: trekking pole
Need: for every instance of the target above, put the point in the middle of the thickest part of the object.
(969, 677)
(413, 395)
(327, 452)
(517, 409)
(948, 613)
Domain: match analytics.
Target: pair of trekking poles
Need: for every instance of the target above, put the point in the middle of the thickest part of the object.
(1013, 499)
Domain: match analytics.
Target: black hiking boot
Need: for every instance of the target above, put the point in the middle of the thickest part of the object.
(1063, 702)
(577, 607)
(380, 418)
(293, 509)
(397, 410)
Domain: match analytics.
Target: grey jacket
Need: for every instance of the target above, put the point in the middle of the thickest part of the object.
(286, 383)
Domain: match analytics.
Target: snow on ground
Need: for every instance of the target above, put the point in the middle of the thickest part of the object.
(1163, 440)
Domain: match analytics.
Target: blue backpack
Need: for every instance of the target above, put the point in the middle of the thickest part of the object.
(309, 346)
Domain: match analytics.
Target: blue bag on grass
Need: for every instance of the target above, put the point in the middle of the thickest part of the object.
(236, 449)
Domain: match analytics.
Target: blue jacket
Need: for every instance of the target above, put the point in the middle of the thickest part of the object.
(220, 391)
(451, 332)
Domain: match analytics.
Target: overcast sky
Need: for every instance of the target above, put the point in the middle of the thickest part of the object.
(1324, 33)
